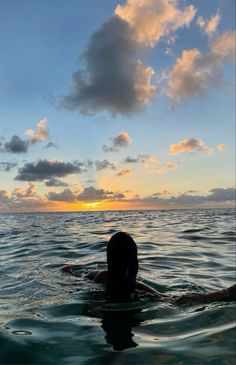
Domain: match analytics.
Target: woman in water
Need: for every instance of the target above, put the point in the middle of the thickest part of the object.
(120, 277)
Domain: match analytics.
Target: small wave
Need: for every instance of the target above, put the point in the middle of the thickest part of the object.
(194, 230)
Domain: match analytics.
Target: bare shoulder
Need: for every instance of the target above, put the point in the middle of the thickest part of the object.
(97, 276)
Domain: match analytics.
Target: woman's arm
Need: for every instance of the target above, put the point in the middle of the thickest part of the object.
(217, 296)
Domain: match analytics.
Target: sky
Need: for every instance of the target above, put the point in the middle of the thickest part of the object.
(125, 105)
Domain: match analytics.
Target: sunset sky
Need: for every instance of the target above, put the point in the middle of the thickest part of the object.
(117, 104)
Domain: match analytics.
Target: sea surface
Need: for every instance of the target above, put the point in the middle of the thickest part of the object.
(49, 317)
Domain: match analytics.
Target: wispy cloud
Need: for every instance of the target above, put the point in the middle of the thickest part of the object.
(189, 146)
(209, 26)
(121, 140)
(40, 134)
(195, 73)
(140, 159)
(103, 165)
(220, 147)
(55, 182)
(51, 145)
(124, 172)
(162, 169)
(7, 166)
(18, 145)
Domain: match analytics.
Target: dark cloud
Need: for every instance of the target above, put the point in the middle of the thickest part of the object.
(55, 182)
(105, 164)
(131, 160)
(19, 145)
(125, 172)
(16, 145)
(93, 194)
(7, 166)
(220, 194)
(66, 196)
(113, 79)
(44, 170)
(4, 199)
(88, 194)
(121, 140)
(139, 159)
(51, 145)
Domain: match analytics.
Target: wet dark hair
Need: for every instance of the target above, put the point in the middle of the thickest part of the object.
(122, 265)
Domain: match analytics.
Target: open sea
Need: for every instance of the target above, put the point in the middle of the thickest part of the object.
(49, 317)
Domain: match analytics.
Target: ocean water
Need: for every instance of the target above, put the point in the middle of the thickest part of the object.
(49, 317)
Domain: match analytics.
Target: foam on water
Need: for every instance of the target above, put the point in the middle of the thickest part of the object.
(48, 317)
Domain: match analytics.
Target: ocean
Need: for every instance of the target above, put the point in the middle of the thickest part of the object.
(49, 317)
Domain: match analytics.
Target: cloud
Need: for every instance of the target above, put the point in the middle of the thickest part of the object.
(7, 166)
(87, 195)
(44, 170)
(125, 172)
(121, 140)
(66, 196)
(222, 196)
(162, 169)
(220, 147)
(189, 146)
(16, 145)
(161, 193)
(23, 200)
(194, 73)
(140, 159)
(51, 145)
(93, 194)
(40, 134)
(209, 26)
(114, 77)
(151, 20)
(19, 145)
(4, 199)
(105, 164)
(27, 199)
(223, 47)
(55, 182)
(20, 193)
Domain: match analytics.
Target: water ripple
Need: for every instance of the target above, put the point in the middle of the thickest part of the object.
(46, 316)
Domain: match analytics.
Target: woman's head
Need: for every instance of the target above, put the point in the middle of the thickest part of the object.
(122, 265)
